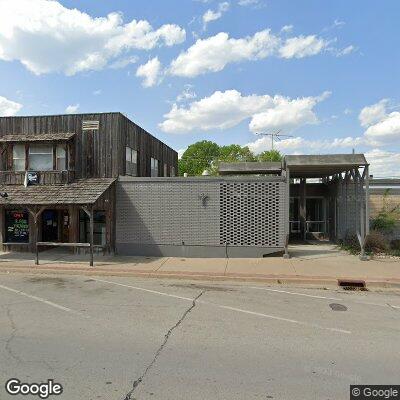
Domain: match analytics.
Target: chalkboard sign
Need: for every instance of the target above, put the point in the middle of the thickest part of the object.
(17, 227)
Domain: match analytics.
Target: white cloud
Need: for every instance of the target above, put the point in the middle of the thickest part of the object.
(47, 37)
(211, 15)
(386, 131)
(302, 46)
(301, 145)
(248, 2)
(287, 28)
(372, 114)
(287, 114)
(150, 72)
(187, 94)
(383, 163)
(214, 53)
(97, 92)
(8, 107)
(123, 62)
(345, 51)
(382, 127)
(71, 109)
(223, 110)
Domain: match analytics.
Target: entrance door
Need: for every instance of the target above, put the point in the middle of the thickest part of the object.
(50, 226)
(315, 215)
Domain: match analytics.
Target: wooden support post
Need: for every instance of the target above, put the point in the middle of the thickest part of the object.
(89, 212)
(35, 212)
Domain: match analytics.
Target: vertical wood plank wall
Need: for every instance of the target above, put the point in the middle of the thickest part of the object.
(98, 153)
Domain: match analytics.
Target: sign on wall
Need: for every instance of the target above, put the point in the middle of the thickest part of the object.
(17, 227)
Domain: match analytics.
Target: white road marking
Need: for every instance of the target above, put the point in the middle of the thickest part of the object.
(144, 290)
(375, 304)
(49, 303)
(295, 293)
(293, 321)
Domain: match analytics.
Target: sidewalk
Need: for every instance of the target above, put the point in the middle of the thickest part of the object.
(319, 265)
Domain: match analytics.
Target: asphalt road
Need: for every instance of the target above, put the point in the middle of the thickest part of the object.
(128, 338)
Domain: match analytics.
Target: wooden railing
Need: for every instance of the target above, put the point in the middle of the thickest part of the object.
(45, 177)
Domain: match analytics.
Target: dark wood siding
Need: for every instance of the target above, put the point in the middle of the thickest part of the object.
(147, 146)
(98, 153)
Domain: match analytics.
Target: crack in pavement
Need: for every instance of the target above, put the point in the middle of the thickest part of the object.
(12, 336)
(137, 382)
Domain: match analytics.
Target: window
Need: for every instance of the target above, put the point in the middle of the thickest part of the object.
(19, 157)
(61, 158)
(165, 170)
(40, 157)
(154, 167)
(172, 173)
(131, 157)
(99, 227)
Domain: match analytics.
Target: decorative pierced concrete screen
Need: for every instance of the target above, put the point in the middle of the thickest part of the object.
(201, 212)
(252, 213)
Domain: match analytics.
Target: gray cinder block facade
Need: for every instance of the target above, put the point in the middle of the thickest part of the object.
(201, 217)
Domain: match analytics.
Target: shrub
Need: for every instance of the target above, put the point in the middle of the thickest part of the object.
(376, 243)
(383, 222)
(351, 244)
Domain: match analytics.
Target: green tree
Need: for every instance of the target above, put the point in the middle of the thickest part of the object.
(198, 157)
(270, 155)
(235, 153)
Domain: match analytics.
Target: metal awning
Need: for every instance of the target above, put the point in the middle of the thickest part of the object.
(318, 166)
(239, 168)
(42, 137)
(82, 192)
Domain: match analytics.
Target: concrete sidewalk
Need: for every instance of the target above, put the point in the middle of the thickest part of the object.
(320, 265)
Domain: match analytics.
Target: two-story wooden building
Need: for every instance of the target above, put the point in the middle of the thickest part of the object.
(58, 173)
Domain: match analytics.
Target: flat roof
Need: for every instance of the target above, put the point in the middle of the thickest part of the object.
(318, 166)
(249, 168)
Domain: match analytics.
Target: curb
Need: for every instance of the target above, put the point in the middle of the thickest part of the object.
(271, 279)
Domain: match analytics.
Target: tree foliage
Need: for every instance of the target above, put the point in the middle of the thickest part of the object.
(206, 155)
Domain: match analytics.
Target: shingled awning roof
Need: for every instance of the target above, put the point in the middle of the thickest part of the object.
(317, 166)
(42, 137)
(85, 191)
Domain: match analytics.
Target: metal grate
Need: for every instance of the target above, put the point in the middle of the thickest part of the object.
(90, 125)
(252, 213)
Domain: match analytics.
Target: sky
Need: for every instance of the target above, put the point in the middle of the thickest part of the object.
(326, 74)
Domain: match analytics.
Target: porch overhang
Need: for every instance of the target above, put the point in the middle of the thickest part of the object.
(43, 137)
(320, 166)
(80, 192)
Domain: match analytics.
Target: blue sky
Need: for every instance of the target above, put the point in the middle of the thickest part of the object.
(326, 73)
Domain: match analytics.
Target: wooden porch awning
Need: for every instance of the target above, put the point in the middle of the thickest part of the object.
(84, 192)
(43, 137)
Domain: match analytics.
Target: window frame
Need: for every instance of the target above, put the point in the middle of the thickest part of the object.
(19, 158)
(131, 161)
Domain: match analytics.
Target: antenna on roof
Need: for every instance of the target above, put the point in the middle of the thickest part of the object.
(274, 136)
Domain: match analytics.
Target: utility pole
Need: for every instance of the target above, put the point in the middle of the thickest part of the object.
(274, 136)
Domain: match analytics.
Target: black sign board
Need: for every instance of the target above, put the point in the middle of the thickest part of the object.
(32, 178)
(17, 227)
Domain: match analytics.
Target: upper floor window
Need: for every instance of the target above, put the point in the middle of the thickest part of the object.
(40, 157)
(131, 157)
(165, 170)
(61, 158)
(154, 167)
(172, 173)
(19, 157)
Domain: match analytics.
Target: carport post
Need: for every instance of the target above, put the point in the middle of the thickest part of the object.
(287, 214)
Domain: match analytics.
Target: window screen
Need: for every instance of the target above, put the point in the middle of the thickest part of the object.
(40, 157)
(61, 161)
(19, 157)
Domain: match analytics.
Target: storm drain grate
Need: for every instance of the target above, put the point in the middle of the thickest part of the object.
(348, 284)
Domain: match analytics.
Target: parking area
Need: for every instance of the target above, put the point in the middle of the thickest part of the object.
(129, 338)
